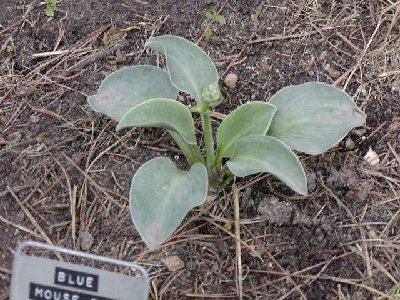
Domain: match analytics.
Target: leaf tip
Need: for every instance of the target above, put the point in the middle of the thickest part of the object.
(119, 127)
(303, 187)
(360, 116)
(300, 186)
(92, 101)
(303, 190)
(152, 245)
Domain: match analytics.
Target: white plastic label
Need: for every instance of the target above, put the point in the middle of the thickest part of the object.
(39, 278)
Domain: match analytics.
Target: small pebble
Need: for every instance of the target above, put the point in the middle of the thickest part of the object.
(86, 240)
(372, 157)
(231, 80)
(173, 263)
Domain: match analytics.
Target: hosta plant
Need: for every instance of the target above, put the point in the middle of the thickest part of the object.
(256, 137)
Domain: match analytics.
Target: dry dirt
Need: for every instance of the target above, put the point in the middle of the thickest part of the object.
(65, 172)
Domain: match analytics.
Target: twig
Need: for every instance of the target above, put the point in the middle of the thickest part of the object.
(290, 36)
(249, 247)
(364, 52)
(348, 42)
(389, 73)
(60, 52)
(239, 270)
(72, 197)
(20, 227)
(97, 56)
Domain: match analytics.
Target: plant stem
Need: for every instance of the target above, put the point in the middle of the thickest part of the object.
(191, 152)
(208, 139)
(226, 177)
(218, 160)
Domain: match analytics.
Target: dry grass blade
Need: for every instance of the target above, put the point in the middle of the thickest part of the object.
(20, 227)
(239, 269)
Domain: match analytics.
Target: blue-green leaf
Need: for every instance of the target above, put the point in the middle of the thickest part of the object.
(124, 89)
(312, 117)
(164, 113)
(161, 196)
(189, 67)
(248, 119)
(259, 153)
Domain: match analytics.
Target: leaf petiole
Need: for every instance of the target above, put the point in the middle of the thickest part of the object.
(208, 140)
(191, 152)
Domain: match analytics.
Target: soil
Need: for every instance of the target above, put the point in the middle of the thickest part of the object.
(65, 172)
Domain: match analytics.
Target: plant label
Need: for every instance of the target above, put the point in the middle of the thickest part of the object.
(40, 278)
